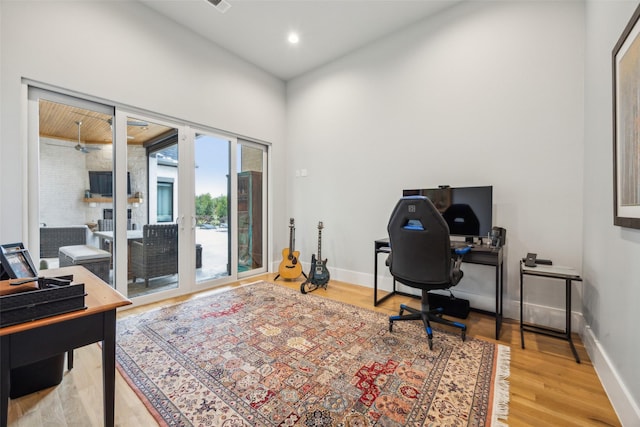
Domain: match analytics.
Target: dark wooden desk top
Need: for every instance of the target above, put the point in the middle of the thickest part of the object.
(479, 254)
(100, 298)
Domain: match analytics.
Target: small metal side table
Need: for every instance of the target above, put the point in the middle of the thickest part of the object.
(567, 274)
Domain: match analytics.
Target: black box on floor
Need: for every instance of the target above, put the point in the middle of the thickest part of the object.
(451, 306)
(36, 376)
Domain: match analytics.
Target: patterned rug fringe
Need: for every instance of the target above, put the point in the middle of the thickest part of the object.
(500, 408)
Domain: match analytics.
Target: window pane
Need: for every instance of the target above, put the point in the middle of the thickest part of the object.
(153, 243)
(250, 207)
(211, 205)
(165, 201)
(75, 185)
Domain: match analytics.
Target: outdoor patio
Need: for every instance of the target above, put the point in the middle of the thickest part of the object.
(215, 243)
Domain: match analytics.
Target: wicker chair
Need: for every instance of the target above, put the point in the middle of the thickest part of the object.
(157, 254)
(52, 238)
(107, 225)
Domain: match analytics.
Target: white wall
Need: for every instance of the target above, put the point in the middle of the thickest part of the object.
(611, 254)
(486, 93)
(127, 53)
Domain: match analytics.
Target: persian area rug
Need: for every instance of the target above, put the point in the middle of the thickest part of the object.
(266, 355)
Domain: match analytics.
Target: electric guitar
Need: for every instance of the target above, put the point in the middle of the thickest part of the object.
(290, 268)
(319, 275)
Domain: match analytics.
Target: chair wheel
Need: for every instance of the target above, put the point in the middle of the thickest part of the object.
(302, 289)
(464, 335)
(390, 326)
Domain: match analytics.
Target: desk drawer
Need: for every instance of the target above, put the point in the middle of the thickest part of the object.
(43, 342)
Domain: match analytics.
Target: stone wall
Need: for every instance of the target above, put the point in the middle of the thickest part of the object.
(64, 178)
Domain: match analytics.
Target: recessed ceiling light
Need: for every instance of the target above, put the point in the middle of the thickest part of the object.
(293, 38)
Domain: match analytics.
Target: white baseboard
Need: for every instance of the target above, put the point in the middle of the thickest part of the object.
(624, 406)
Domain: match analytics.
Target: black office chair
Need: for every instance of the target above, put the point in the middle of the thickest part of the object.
(421, 258)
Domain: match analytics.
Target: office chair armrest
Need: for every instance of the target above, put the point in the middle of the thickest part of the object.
(461, 251)
(456, 273)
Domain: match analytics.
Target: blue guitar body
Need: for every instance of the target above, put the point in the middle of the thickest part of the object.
(319, 274)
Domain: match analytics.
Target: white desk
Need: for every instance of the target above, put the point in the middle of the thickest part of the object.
(108, 235)
(132, 236)
(567, 274)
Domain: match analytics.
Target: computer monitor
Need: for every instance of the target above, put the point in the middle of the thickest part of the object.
(468, 211)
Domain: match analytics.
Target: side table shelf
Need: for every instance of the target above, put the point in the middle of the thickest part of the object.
(567, 274)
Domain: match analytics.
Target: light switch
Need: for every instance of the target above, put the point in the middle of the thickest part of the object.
(303, 172)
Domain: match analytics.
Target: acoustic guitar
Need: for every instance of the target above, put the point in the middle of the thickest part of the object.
(289, 267)
(319, 274)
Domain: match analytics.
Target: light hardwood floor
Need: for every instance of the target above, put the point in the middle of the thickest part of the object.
(547, 386)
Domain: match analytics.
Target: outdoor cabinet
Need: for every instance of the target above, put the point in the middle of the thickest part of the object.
(249, 220)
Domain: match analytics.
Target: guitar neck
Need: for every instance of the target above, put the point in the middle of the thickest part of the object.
(291, 240)
(292, 230)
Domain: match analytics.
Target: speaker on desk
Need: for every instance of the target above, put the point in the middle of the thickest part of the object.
(498, 236)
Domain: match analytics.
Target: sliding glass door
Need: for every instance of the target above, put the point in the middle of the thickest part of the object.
(251, 206)
(212, 193)
(158, 207)
(71, 146)
(152, 210)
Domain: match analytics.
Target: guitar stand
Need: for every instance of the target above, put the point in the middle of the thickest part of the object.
(307, 286)
(303, 273)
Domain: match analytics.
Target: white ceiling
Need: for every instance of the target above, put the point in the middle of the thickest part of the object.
(257, 30)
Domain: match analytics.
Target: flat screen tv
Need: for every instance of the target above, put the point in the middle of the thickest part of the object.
(467, 210)
(101, 182)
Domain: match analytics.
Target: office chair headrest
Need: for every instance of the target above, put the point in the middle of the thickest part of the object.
(420, 244)
(414, 213)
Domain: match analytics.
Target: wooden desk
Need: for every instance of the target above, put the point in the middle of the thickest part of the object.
(483, 255)
(31, 342)
(567, 274)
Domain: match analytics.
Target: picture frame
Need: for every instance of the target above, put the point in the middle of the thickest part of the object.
(16, 261)
(626, 132)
